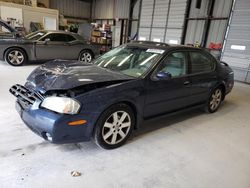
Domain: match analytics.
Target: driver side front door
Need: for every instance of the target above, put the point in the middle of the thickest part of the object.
(164, 96)
(57, 47)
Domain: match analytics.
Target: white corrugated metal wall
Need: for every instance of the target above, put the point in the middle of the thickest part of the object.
(69, 8)
(195, 27)
(162, 20)
(110, 9)
(237, 45)
(222, 8)
(217, 28)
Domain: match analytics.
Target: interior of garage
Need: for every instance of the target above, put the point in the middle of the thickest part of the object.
(192, 149)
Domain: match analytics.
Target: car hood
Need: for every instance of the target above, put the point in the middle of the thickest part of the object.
(64, 75)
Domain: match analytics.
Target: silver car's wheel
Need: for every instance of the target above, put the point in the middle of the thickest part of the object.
(15, 57)
(116, 127)
(215, 100)
(85, 57)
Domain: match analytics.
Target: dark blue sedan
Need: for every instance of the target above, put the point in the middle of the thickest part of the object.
(68, 101)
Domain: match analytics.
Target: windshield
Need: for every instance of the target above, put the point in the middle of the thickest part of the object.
(132, 61)
(36, 35)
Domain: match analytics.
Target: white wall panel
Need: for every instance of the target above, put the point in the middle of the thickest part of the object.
(177, 14)
(110, 9)
(239, 34)
(122, 8)
(157, 34)
(144, 33)
(173, 35)
(163, 18)
(160, 15)
(146, 13)
(71, 8)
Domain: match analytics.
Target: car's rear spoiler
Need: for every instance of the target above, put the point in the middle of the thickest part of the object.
(222, 62)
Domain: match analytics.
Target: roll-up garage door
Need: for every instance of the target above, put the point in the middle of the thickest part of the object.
(162, 20)
(146, 19)
(237, 44)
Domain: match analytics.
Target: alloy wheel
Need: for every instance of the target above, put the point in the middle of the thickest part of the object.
(116, 127)
(16, 57)
(86, 57)
(215, 99)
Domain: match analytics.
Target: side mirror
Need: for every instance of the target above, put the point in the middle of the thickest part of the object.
(46, 40)
(17, 35)
(163, 75)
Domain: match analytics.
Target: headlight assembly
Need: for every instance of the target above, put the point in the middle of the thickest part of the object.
(63, 105)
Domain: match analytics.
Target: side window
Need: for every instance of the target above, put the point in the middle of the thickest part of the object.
(56, 37)
(201, 63)
(175, 64)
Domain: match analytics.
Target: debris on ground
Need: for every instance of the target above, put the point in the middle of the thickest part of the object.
(75, 173)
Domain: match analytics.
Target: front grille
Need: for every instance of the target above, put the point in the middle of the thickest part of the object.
(25, 95)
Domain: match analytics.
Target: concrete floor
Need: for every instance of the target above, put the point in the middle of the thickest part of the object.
(192, 150)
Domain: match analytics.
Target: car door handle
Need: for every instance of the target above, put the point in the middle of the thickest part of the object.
(187, 83)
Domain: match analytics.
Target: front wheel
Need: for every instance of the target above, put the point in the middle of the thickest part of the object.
(114, 126)
(15, 57)
(85, 56)
(215, 100)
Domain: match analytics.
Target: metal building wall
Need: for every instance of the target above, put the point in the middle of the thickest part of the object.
(237, 44)
(176, 21)
(222, 8)
(110, 9)
(195, 27)
(69, 8)
(162, 20)
(217, 28)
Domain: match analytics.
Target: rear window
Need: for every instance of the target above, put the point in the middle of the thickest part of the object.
(201, 63)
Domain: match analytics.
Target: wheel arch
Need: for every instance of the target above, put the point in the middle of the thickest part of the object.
(16, 47)
(89, 50)
(134, 109)
(128, 103)
(223, 87)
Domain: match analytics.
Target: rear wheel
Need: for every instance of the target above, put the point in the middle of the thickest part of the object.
(85, 56)
(114, 126)
(15, 57)
(215, 100)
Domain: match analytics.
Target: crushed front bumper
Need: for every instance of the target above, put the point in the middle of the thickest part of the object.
(50, 125)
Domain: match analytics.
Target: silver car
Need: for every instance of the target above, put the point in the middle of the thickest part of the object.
(45, 45)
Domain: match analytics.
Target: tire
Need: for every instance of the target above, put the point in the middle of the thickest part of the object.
(215, 100)
(15, 56)
(114, 126)
(86, 56)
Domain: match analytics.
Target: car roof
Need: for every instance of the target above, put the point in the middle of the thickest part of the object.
(161, 45)
(58, 31)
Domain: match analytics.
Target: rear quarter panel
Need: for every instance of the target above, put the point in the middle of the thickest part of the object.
(77, 47)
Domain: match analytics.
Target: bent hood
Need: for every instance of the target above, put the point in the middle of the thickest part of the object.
(12, 32)
(63, 75)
